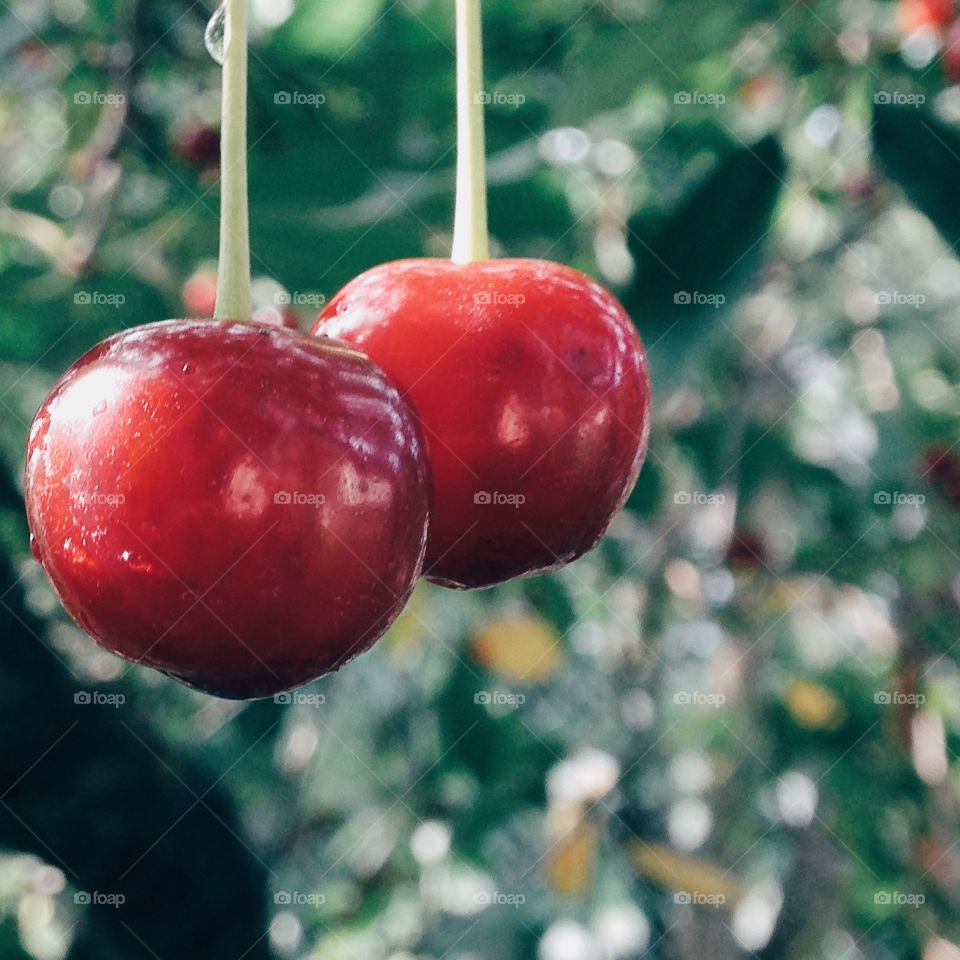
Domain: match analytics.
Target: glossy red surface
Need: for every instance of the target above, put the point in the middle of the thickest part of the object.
(240, 507)
(533, 390)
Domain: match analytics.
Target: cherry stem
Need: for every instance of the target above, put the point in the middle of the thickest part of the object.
(233, 275)
(471, 238)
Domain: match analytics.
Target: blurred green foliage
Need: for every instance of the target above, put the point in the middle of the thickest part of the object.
(733, 729)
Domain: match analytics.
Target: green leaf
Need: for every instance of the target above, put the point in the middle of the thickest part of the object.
(922, 155)
(692, 265)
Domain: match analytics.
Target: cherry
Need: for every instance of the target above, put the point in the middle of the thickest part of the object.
(240, 507)
(532, 387)
(528, 378)
(913, 15)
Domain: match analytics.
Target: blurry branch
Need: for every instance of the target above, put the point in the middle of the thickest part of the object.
(71, 254)
(94, 163)
(43, 234)
(146, 245)
(105, 182)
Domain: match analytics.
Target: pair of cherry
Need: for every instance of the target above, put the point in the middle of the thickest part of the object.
(246, 507)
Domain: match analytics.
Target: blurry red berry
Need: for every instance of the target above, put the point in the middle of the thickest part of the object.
(913, 15)
(199, 294)
(941, 467)
(860, 188)
(746, 550)
(758, 92)
(200, 147)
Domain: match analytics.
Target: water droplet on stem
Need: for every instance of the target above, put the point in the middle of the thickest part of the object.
(215, 34)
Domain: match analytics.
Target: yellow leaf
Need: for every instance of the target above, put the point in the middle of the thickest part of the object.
(519, 649)
(691, 875)
(573, 859)
(814, 706)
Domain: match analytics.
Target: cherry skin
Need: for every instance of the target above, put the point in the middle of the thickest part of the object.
(533, 391)
(240, 507)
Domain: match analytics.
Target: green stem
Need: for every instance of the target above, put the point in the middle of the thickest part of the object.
(471, 239)
(233, 275)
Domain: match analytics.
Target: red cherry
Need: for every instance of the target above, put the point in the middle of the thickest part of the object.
(913, 15)
(533, 391)
(240, 507)
(951, 53)
(199, 294)
(276, 317)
